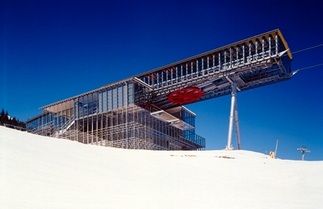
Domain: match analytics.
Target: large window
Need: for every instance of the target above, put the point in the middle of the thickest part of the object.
(116, 97)
(87, 104)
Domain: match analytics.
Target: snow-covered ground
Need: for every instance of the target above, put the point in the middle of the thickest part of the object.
(42, 172)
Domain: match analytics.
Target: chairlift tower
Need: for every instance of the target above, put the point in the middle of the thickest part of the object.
(303, 150)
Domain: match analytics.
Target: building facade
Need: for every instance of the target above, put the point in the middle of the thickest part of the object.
(146, 111)
(114, 116)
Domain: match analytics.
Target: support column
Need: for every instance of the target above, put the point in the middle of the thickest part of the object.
(236, 120)
(233, 119)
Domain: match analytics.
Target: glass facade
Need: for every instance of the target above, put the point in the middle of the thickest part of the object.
(114, 116)
(189, 117)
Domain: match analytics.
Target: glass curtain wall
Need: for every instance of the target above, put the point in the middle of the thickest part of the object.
(110, 117)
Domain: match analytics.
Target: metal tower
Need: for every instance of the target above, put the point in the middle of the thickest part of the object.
(303, 150)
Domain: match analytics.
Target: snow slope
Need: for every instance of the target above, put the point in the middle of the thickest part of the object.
(42, 172)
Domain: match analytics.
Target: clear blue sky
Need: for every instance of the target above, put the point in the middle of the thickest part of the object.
(51, 50)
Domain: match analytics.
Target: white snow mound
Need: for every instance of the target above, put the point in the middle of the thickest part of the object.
(43, 172)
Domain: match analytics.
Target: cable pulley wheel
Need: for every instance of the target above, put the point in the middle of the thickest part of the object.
(185, 95)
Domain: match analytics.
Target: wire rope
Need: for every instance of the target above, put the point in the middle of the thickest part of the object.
(308, 48)
(309, 67)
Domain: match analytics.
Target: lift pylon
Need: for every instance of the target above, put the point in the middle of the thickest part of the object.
(233, 118)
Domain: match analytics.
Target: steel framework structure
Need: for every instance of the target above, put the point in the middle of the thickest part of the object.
(146, 111)
(250, 63)
(257, 61)
(109, 116)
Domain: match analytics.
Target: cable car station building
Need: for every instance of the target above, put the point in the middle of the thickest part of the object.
(146, 111)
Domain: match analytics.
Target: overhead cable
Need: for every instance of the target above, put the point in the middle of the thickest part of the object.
(312, 47)
(309, 67)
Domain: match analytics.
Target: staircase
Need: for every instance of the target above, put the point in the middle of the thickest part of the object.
(64, 127)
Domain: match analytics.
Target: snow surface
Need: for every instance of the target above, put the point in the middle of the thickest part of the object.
(43, 172)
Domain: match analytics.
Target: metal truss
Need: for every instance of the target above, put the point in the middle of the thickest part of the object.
(250, 63)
